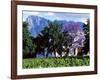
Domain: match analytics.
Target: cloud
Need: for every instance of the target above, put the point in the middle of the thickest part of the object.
(84, 21)
(30, 13)
(50, 13)
(35, 13)
(77, 17)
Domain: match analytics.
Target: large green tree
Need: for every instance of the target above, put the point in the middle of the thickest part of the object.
(54, 37)
(28, 46)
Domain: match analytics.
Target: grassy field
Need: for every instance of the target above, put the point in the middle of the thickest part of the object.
(55, 62)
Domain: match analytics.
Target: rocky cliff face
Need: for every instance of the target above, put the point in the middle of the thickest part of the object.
(37, 24)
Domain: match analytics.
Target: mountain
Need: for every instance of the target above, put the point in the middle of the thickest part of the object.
(37, 24)
(72, 26)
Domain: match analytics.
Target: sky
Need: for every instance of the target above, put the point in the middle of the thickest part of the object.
(76, 17)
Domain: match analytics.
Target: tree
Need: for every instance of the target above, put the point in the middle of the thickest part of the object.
(76, 36)
(54, 37)
(28, 46)
(87, 33)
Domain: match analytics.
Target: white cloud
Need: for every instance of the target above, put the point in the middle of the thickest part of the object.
(84, 21)
(50, 13)
(34, 13)
(31, 13)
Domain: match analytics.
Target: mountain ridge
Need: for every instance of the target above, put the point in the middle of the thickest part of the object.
(37, 24)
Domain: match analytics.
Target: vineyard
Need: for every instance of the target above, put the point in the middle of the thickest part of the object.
(56, 62)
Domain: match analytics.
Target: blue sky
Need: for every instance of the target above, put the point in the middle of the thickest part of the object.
(77, 17)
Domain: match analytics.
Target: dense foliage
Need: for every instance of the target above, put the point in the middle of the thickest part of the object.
(56, 38)
(87, 33)
(51, 37)
(56, 62)
(28, 46)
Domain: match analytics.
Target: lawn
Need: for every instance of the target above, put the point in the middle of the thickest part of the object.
(55, 62)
